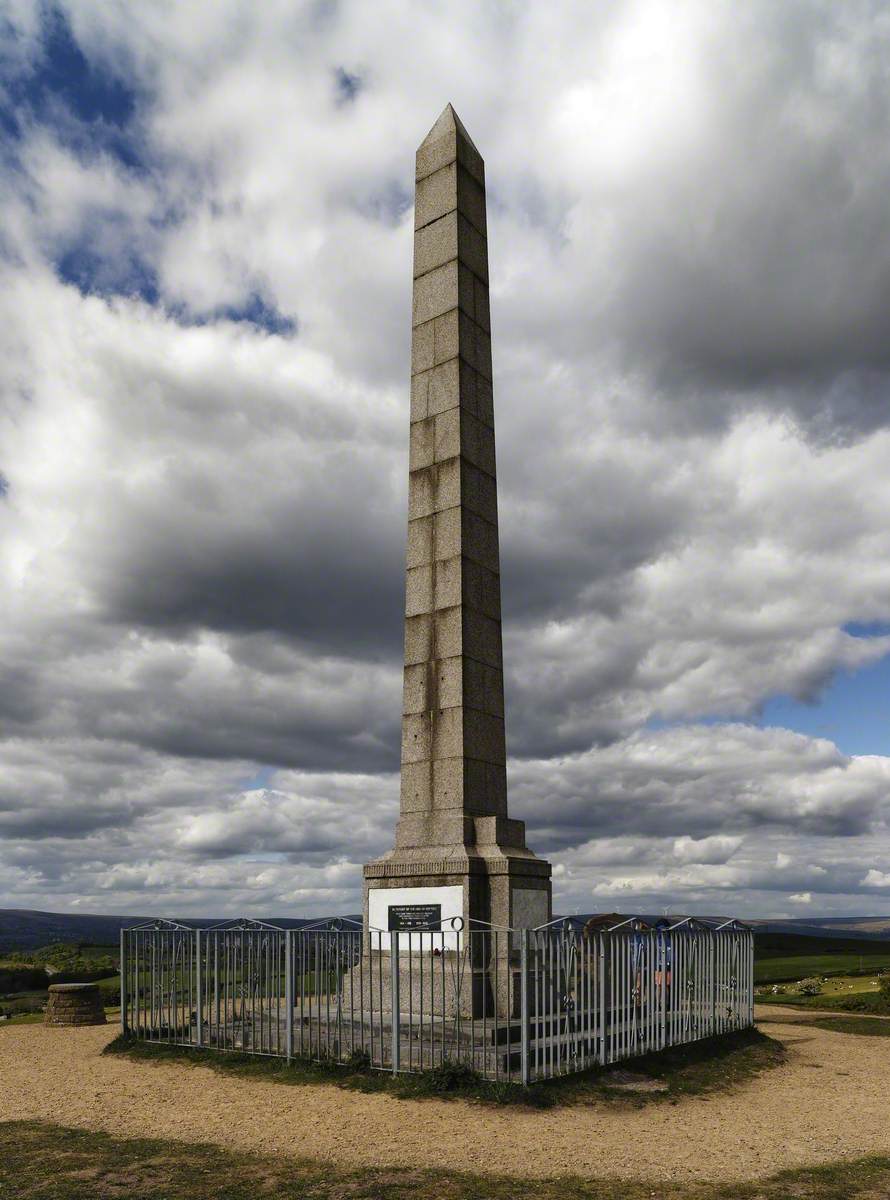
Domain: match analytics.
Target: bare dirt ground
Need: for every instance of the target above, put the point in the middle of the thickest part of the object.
(831, 1101)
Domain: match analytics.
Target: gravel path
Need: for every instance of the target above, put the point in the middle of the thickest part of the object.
(832, 1100)
(776, 1014)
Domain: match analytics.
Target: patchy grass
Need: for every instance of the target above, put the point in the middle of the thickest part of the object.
(47, 1162)
(714, 1064)
(27, 1018)
(839, 985)
(36, 1018)
(847, 996)
(861, 1026)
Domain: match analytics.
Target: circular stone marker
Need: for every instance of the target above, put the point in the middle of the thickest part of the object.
(74, 1004)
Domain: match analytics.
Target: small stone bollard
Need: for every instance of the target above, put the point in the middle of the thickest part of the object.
(74, 1004)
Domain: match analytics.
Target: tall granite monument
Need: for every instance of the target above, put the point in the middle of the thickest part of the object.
(457, 853)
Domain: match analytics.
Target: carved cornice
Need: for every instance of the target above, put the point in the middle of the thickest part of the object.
(507, 865)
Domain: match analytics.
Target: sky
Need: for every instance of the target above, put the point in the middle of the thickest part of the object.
(205, 247)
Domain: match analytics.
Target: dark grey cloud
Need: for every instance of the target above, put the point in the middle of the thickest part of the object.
(698, 781)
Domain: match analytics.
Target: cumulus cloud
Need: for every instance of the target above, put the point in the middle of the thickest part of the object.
(203, 429)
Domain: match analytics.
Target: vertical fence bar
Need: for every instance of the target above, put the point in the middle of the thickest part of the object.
(215, 1009)
(163, 940)
(523, 1005)
(749, 981)
(123, 974)
(229, 995)
(394, 985)
(370, 937)
(199, 1024)
(326, 983)
(289, 994)
(301, 967)
(613, 967)
(137, 992)
(136, 1006)
(150, 1006)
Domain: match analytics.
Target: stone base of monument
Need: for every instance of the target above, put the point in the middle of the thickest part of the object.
(490, 1047)
(458, 921)
(324, 1031)
(430, 986)
(74, 1004)
(444, 985)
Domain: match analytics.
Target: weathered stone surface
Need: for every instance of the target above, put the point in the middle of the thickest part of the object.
(74, 1004)
(453, 825)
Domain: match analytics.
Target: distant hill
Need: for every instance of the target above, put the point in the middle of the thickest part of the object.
(860, 928)
(26, 929)
(768, 944)
(877, 928)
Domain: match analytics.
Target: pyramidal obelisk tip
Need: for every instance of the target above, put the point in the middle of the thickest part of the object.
(448, 122)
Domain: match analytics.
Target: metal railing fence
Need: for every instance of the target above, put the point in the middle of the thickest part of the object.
(515, 1005)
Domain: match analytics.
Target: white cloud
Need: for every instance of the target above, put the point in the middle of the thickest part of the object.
(202, 540)
(711, 850)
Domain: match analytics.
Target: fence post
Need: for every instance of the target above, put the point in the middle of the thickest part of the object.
(394, 989)
(289, 994)
(605, 997)
(749, 975)
(199, 1024)
(124, 971)
(523, 1004)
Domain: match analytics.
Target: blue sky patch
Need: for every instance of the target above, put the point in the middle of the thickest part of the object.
(87, 106)
(256, 310)
(259, 312)
(261, 778)
(853, 711)
(92, 272)
(867, 629)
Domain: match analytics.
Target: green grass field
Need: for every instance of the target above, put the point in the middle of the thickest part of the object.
(49, 1162)
(842, 993)
(864, 1003)
(98, 951)
(835, 985)
(781, 970)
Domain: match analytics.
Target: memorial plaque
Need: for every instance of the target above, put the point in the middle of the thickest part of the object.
(415, 916)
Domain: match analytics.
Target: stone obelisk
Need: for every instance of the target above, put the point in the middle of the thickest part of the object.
(456, 853)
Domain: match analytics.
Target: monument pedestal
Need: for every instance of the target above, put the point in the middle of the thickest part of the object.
(466, 906)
